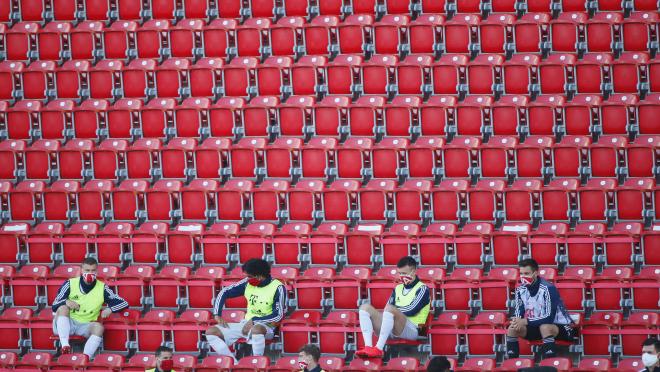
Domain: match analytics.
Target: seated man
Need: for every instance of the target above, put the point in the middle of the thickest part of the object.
(407, 309)
(78, 304)
(308, 358)
(540, 313)
(266, 305)
(164, 361)
(650, 354)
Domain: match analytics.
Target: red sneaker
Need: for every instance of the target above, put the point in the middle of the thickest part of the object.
(362, 352)
(370, 352)
(66, 350)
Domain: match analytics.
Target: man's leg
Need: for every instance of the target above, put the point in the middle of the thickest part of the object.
(94, 340)
(370, 319)
(63, 326)
(512, 346)
(258, 339)
(393, 320)
(216, 340)
(548, 333)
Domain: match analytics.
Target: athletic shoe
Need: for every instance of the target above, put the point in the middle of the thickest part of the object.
(370, 352)
(66, 350)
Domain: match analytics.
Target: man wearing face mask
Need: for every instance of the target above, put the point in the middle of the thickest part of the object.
(78, 304)
(164, 361)
(266, 306)
(651, 355)
(540, 313)
(406, 310)
(308, 359)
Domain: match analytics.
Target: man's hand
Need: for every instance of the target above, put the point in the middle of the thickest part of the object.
(518, 323)
(247, 327)
(221, 322)
(72, 305)
(106, 313)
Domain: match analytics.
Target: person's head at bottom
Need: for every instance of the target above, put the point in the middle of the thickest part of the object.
(164, 361)
(308, 357)
(651, 353)
(256, 270)
(439, 364)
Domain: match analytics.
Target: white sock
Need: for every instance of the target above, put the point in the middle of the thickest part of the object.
(93, 343)
(63, 329)
(219, 346)
(367, 327)
(258, 345)
(385, 329)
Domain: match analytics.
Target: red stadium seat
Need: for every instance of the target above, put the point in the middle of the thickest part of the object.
(327, 253)
(477, 364)
(215, 363)
(434, 244)
(140, 362)
(13, 322)
(35, 361)
(149, 337)
(251, 363)
(600, 344)
(444, 333)
(561, 364)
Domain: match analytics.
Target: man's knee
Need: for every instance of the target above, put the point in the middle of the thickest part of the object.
(368, 308)
(511, 331)
(214, 331)
(96, 329)
(62, 310)
(259, 329)
(393, 310)
(549, 330)
(516, 332)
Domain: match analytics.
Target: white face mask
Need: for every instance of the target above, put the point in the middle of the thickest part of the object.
(649, 359)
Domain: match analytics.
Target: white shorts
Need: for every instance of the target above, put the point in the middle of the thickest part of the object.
(75, 328)
(234, 331)
(410, 331)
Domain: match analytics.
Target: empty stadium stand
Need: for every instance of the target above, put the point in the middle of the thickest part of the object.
(173, 140)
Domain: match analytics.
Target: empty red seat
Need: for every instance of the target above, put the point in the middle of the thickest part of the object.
(352, 33)
(637, 32)
(641, 154)
(461, 34)
(595, 199)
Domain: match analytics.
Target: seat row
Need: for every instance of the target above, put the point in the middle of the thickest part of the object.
(187, 363)
(336, 334)
(344, 200)
(348, 75)
(329, 36)
(338, 117)
(332, 244)
(104, 10)
(324, 159)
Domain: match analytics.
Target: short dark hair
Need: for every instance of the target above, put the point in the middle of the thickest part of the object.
(163, 349)
(652, 341)
(313, 350)
(406, 261)
(91, 261)
(529, 262)
(438, 364)
(256, 267)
